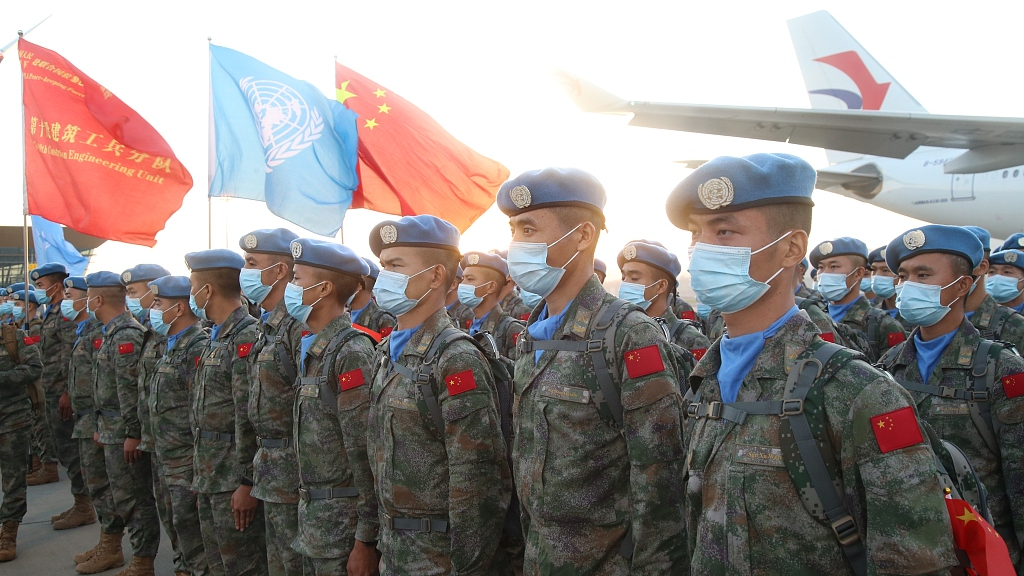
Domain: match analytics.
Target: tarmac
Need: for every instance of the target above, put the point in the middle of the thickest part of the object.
(45, 551)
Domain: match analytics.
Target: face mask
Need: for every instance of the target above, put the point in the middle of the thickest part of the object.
(1003, 288)
(293, 301)
(390, 291)
(467, 295)
(6, 308)
(252, 284)
(814, 285)
(156, 320)
(42, 297)
(135, 306)
(634, 294)
(530, 299)
(833, 286)
(703, 310)
(19, 313)
(865, 284)
(199, 312)
(348, 303)
(921, 304)
(67, 309)
(528, 266)
(720, 276)
(884, 286)
(92, 313)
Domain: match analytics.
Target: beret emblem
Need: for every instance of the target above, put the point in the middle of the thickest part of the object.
(913, 239)
(388, 234)
(882, 253)
(296, 250)
(473, 259)
(1011, 257)
(825, 248)
(1020, 241)
(126, 277)
(68, 283)
(629, 253)
(35, 275)
(156, 289)
(521, 196)
(716, 193)
(250, 241)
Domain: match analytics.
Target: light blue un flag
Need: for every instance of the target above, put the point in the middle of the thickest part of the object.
(275, 139)
(50, 245)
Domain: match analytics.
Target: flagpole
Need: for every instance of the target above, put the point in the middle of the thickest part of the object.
(341, 232)
(24, 182)
(209, 200)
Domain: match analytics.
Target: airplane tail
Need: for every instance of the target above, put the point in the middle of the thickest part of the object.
(841, 75)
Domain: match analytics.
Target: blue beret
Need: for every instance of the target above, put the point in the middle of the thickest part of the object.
(216, 259)
(651, 255)
(48, 269)
(550, 188)
(423, 231)
(814, 273)
(805, 263)
(728, 184)
(329, 256)
(268, 241)
(20, 296)
(374, 269)
(143, 273)
(171, 287)
(492, 261)
(19, 286)
(103, 280)
(983, 236)
(1014, 242)
(458, 272)
(4, 291)
(844, 246)
(1009, 257)
(934, 238)
(600, 266)
(76, 282)
(876, 255)
(502, 253)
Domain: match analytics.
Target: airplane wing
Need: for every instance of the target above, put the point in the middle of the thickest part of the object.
(990, 143)
(863, 183)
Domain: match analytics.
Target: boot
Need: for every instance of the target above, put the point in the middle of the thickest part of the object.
(140, 566)
(108, 555)
(36, 464)
(9, 541)
(182, 574)
(81, 514)
(80, 558)
(46, 475)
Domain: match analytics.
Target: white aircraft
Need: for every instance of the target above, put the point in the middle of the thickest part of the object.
(882, 146)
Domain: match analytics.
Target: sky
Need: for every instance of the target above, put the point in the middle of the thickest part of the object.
(484, 71)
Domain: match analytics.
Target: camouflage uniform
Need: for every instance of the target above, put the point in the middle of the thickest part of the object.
(330, 436)
(686, 335)
(169, 406)
(583, 484)
(805, 292)
(462, 485)
(461, 315)
(888, 331)
(513, 304)
(376, 318)
(1012, 329)
(225, 447)
(42, 438)
(275, 468)
(116, 394)
(714, 325)
(57, 339)
(816, 310)
(94, 465)
(505, 334)
(744, 514)
(15, 424)
(1002, 473)
(679, 306)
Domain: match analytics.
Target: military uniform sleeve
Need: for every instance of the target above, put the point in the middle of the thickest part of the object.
(652, 421)
(245, 433)
(515, 329)
(890, 333)
(127, 353)
(1013, 332)
(1008, 408)
(479, 481)
(31, 365)
(354, 367)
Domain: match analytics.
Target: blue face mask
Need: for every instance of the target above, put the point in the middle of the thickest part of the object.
(921, 304)
(135, 306)
(252, 284)
(156, 320)
(42, 297)
(390, 291)
(293, 301)
(530, 299)
(67, 309)
(634, 294)
(467, 295)
(528, 266)
(92, 313)
(703, 310)
(833, 286)
(884, 286)
(6, 308)
(19, 313)
(1003, 288)
(720, 276)
(199, 312)
(865, 284)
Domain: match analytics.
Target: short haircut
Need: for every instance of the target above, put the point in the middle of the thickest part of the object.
(111, 292)
(344, 284)
(782, 218)
(223, 280)
(859, 261)
(448, 258)
(493, 275)
(570, 217)
(960, 265)
(367, 282)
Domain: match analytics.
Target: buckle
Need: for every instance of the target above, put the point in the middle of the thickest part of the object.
(978, 396)
(691, 409)
(389, 522)
(303, 494)
(425, 525)
(792, 407)
(845, 530)
(713, 411)
(947, 391)
(595, 345)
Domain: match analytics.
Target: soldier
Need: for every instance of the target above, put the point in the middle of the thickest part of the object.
(488, 272)
(461, 315)
(118, 429)
(601, 269)
(24, 314)
(169, 404)
(994, 321)
(511, 298)
(1005, 280)
(841, 266)
(338, 523)
(801, 289)
(971, 390)
(604, 424)
(273, 367)
(231, 518)
(364, 309)
(1014, 242)
(760, 501)
(437, 451)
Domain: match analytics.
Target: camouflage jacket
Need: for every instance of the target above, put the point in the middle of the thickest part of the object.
(376, 318)
(907, 326)
(805, 292)
(506, 333)
(714, 325)
(745, 515)
(686, 335)
(582, 483)
(513, 304)
(680, 307)
(331, 444)
(1012, 329)
(461, 315)
(116, 380)
(226, 442)
(1002, 473)
(464, 478)
(886, 334)
(81, 378)
(170, 400)
(15, 406)
(57, 340)
(153, 347)
(272, 381)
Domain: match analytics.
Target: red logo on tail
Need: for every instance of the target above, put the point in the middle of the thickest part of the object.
(872, 94)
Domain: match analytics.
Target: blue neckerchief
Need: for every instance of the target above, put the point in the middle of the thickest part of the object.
(968, 314)
(797, 291)
(307, 341)
(477, 323)
(544, 328)
(398, 339)
(928, 353)
(896, 311)
(81, 328)
(1020, 308)
(172, 338)
(214, 332)
(107, 325)
(355, 313)
(739, 354)
(263, 316)
(50, 308)
(838, 312)
(449, 307)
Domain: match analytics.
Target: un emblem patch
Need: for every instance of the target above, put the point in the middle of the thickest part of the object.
(629, 253)
(250, 241)
(388, 234)
(473, 259)
(521, 196)
(825, 248)
(716, 193)
(913, 239)
(1010, 257)
(126, 277)
(296, 250)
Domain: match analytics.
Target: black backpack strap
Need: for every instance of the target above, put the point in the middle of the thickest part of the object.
(329, 389)
(998, 320)
(888, 360)
(981, 380)
(286, 360)
(873, 325)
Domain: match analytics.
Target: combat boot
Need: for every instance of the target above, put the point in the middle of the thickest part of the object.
(46, 475)
(36, 464)
(107, 555)
(9, 541)
(81, 514)
(80, 558)
(140, 566)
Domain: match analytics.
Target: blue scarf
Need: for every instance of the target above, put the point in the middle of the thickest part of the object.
(838, 312)
(477, 324)
(172, 338)
(398, 339)
(307, 341)
(929, 352)
(739, 354)
(356, 313)
(544, 328)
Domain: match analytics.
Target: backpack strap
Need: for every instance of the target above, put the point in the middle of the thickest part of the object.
(328, 389)
(997, 321)
(888, 360)
(873, 323)
(980, 381)
(10, 336)
(284, 358)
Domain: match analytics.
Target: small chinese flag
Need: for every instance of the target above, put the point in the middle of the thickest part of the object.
(895, 338)
(643, 361)
(351, 379)
(126, 348)
(385, 330)
(983, 545)
(244, 349)
(461, 382)
(1013, 385)
(97, 343)
(688, 315)
(375, 335)
(896, 429)
(699, 353)
(829, 337)
(524, 317)
(32, 340)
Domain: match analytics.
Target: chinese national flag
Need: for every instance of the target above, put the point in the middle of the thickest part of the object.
(408, 163)
(91, 162)
(460, 382)
(983, 545)
(644, 361)
(896, 429)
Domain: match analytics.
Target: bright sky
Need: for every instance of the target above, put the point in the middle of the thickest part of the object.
(482, 69)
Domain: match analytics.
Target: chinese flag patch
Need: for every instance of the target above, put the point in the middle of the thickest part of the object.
(699, 353)
(461, 382)
(126, 348)
(524, 317)
(32, 340)
(895, 338)
(689, 315)
(515, 338)
(244, 349)
(829, 337)
(351, 379)
(306, 333)
(197, 361)
(896, 429)
(385, 331)
(1013, 385)
(643, 361)
(468, 324)
(97, 343)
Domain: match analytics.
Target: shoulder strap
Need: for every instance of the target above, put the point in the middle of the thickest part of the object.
(888, 360)
(10, 335)
(328, 389)
(284, 358)
(980, 382)
(873, 323)
(424, 377)
(999, 319)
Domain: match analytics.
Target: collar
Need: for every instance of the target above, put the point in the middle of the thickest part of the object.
(324, 337)
(229, 325)
(798, 332)
(118, 321)
(184, 338)
(81, 327)
(578, 314)
(741, 353)
(959, 353)
(839, 311)
(929, 353)
(421, 336)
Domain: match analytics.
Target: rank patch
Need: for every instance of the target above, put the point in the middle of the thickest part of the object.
(644, 361)
(351, 379)
(126, 348)
(896, 429)
(460, 382)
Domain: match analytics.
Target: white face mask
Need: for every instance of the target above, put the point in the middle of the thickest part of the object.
(528, 265)
(720, 276)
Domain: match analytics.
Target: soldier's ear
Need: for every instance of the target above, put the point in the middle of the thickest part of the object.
(588, 236)
(326, 288)
(492, 288)
(796, 248)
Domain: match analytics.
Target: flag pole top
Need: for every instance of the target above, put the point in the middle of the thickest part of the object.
(209, 38)
(20, 34)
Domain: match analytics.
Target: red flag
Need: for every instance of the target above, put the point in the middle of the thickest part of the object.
(1013, 385)
(461, 382)
(896, 429)
(375, 335)
(408, 163)
(644, 361)
(983, 545)
(91, 162)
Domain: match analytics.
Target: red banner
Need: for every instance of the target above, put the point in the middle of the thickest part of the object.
(91, 162)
